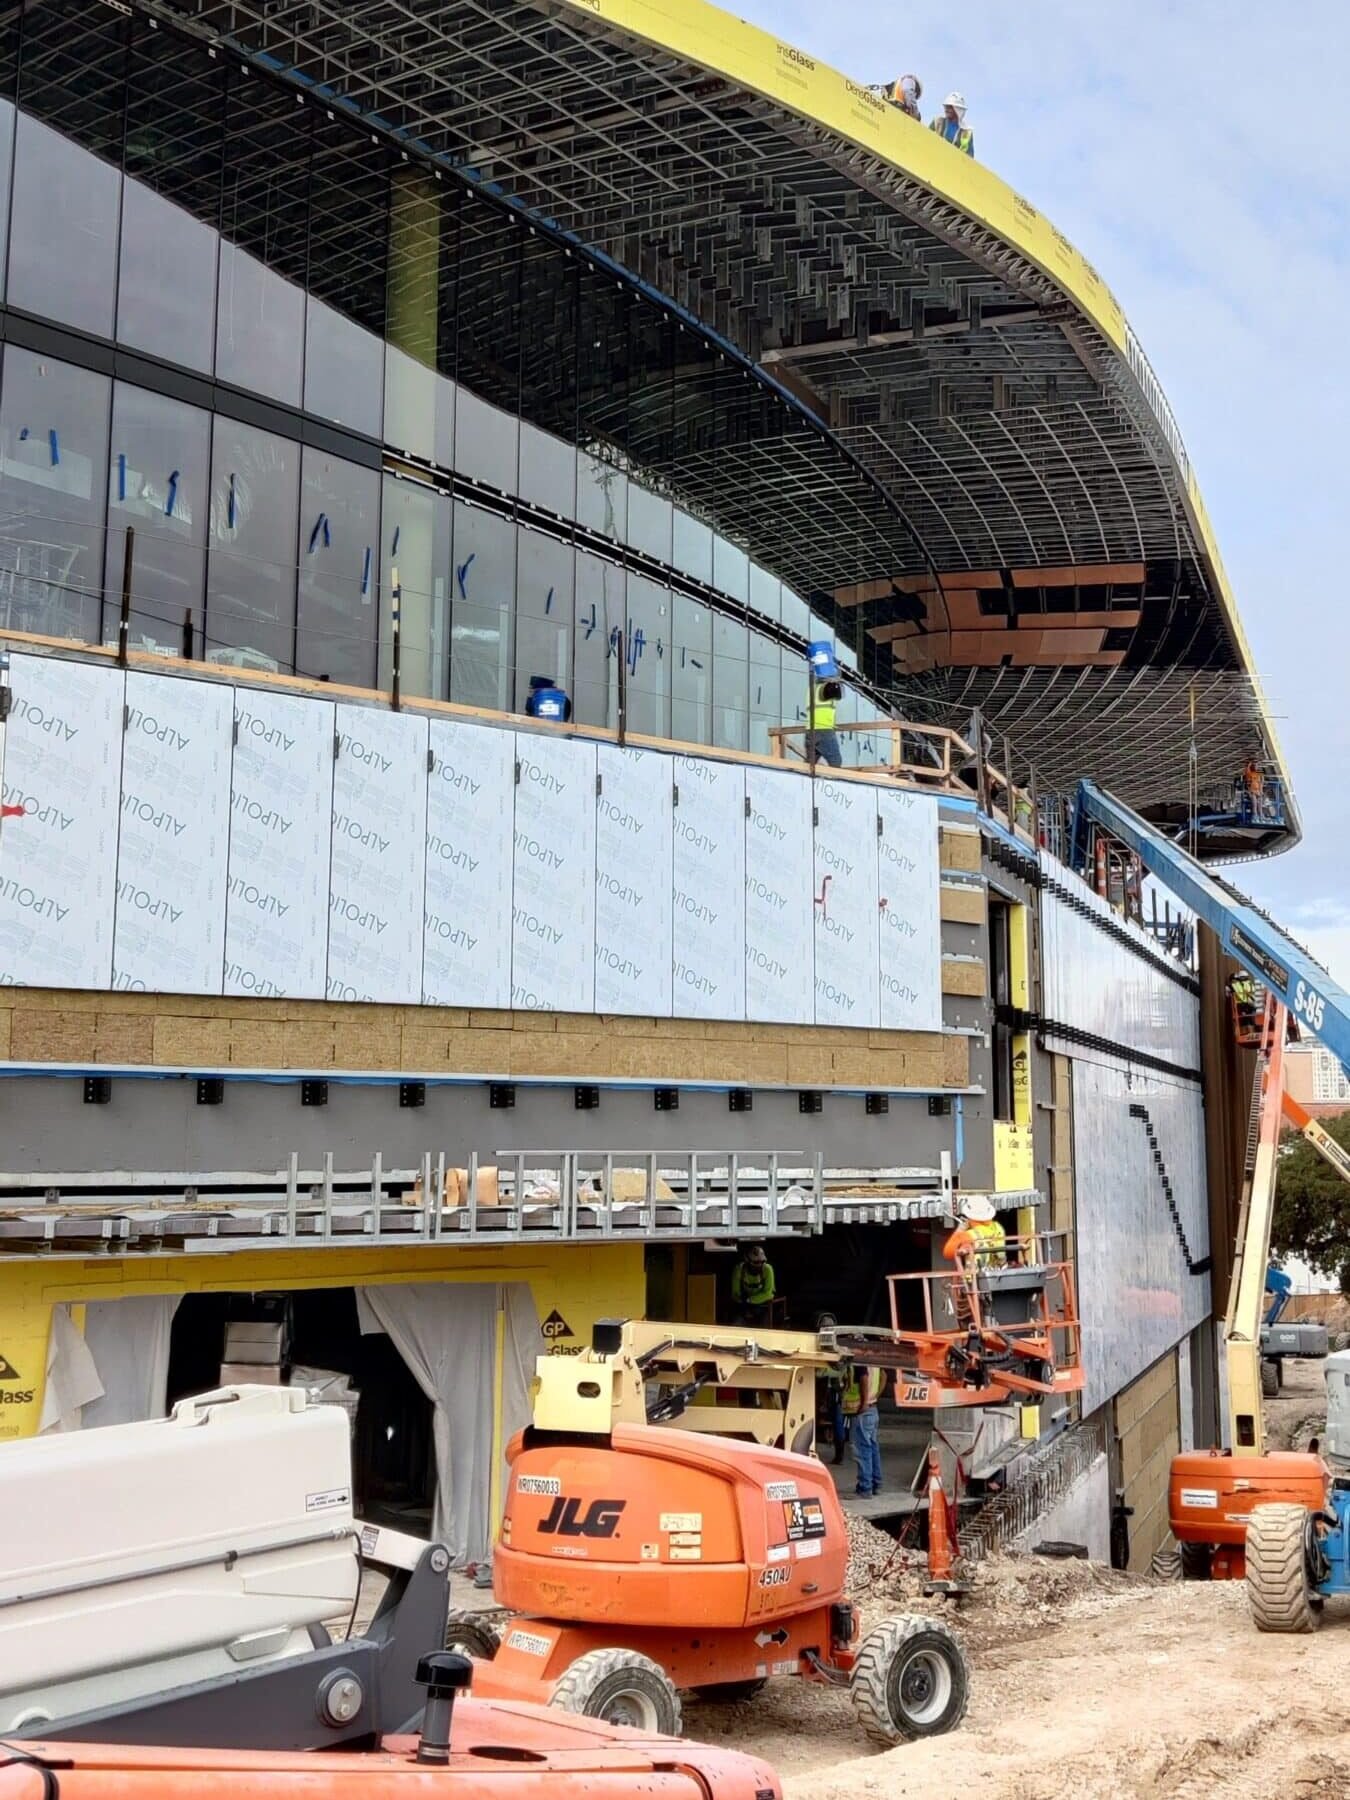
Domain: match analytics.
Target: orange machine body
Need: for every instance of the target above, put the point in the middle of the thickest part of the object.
(722, 1561)
(509, 1752)
(1212, 1494)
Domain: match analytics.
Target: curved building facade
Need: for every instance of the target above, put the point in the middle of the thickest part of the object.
(357, 374)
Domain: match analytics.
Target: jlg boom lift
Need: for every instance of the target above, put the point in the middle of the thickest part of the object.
(1278, 1517)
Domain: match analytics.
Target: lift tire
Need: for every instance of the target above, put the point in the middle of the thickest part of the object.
(623, 1688)
(1197, 1562)
(1270, 1378)
(731, 1693)
(1278, 1587)
(1166, 1563)
(910, 1680)
(471, 1635)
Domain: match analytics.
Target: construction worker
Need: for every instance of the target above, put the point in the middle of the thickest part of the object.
(906, 94)
(950, 124)
(826, 738)
(1253, 788)
(1242, 992)
(752, 1287)
(861, 1395)
(980, 1237)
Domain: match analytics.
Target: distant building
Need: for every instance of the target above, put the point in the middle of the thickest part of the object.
(1316, 1079)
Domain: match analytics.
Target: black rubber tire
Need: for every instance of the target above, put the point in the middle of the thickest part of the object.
(623, 1688)
(1166, 1563)
(1197, 1562)
(732, 1693)
(1278, 1587)
(910, 1680)
(472, 1635)
(1270, 1377)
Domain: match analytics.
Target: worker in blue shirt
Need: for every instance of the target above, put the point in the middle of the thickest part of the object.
(547, 701)
(950, 124)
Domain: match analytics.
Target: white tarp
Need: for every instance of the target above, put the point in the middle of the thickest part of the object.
(378, 872)
(779, 899)
(909, 904)
(129, 1341)
(58, 864)
(276, 931)
(708, 935)
(72, 1380)
(633, 882)
(553, 939)
(447, 1335)
(470, 851)
(847, 920)
(172, 855)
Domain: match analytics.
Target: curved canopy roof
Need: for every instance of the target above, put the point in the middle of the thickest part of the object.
(1051, 561)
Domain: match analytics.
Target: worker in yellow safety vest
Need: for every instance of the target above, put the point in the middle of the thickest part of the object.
(951, 124)
(825, 737)
(979, 1236)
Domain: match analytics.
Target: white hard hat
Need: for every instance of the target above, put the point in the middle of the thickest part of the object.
(956, 101)
(979, 1211)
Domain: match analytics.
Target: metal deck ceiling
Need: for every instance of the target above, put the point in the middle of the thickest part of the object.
(1010, 432)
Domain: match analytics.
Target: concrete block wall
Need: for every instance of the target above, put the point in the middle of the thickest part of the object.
(1148, 1435)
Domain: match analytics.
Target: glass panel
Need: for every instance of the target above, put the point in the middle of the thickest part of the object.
(766, 692)
(411, 323)
(166, 295)
(548, 471)
(796, 684)
(731, 683)
(6, 170)
(765, 593)
(339, 542)
(416, 534)
(691, 673)
(344, 370)
(693, 547)
(481, 605)
(419, 409)
(795, 611)
(649, 657)
(544, 610)
(251, 568)
(54, 470)
(260, 327)
(731, 570)
(600, 612)
(649, 522)
(63, 237)
(602, 498)
(157, 484)
(486, 442)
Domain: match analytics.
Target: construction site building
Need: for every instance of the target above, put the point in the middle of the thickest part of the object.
(368, 369)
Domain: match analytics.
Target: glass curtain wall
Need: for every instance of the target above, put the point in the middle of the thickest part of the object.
(415, 393)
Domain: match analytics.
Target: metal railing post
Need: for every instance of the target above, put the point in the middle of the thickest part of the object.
(124, 616)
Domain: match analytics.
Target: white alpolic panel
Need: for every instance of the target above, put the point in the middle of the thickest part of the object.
(779, 899)
(470, 853)
(709, 888)
(634, 810)
(281, 810)
(909, 905)
(377, 876)
(58, 864)
(848, 950)
(1108, 976)
(175, 838)
(553, 911)
(1128, 1129)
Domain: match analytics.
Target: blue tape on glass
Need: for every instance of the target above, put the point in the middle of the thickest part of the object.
(591, 623)
(171, 497)
(398, 533)
(365, 575)
(462, 576)
(230, 507)
(121, 476)
(23, 434)
(548, 602)
(320, 532)
(54, 445)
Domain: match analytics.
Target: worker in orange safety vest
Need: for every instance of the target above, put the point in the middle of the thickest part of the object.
(979, 1235)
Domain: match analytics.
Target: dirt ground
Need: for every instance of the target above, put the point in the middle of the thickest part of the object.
(1086, 1682)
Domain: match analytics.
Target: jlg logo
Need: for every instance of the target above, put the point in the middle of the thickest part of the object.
(601, 1520)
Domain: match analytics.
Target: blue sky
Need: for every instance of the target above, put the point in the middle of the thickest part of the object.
(1171, 144)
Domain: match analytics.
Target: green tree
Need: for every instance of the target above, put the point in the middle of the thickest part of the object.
(1312, 1205)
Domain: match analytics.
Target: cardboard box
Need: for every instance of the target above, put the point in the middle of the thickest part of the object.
(254, 1341)
(250, 1375)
